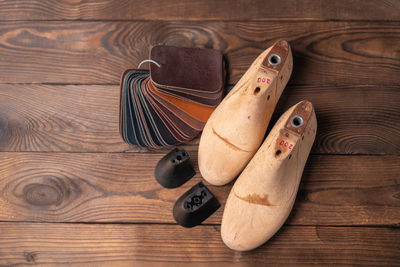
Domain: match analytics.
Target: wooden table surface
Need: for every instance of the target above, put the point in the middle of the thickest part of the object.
(73, 193)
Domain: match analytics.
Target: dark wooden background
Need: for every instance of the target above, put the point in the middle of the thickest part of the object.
(72, 192)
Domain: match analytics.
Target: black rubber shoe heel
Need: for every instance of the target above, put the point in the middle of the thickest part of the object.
(196, 205)
(174, 169)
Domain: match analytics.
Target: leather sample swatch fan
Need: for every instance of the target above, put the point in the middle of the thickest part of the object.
(170, 103)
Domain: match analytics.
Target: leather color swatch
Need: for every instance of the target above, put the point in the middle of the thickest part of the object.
(157, 107)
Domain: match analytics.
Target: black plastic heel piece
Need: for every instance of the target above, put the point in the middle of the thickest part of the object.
(174, 169)
(194, 206)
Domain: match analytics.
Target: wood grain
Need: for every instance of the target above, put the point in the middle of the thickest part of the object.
(166, 245)
(351, 119)
(60, 118)
(198, 10)
(325, 53)
(120, 187)
(60, 65)
(85, 118)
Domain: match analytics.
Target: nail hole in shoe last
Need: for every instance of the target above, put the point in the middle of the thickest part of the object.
(297, 121)
(274, 59)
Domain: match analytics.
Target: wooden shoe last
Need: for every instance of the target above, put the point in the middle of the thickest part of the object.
(237, 126)
(262, 197)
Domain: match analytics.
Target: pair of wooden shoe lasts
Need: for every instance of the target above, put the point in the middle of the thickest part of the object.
(262, 197)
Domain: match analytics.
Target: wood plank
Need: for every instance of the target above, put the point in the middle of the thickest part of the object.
(85, 118)
(328, 53)
(60, 118)
(120, 187)
(105, 245)
(351, 119)
(198, 10)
